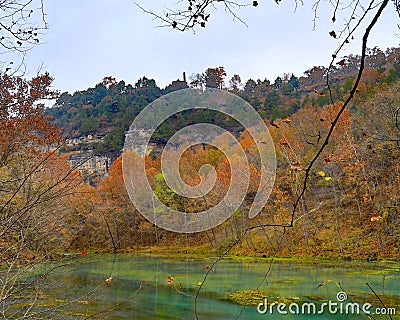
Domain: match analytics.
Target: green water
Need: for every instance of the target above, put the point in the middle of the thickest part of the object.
(157, 299)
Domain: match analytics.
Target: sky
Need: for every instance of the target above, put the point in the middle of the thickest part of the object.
(88, 40)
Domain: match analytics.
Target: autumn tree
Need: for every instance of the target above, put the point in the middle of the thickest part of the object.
(197, 81)
(215, 77)
(378, 134)
(211, 78)
(235, 83)
(121, 224)
(34, 183)
(250, 88)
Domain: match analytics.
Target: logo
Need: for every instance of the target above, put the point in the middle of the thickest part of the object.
(341, 296)
(137, 145)
(332, 307)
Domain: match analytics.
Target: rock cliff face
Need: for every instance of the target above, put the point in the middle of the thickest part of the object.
(88, 140)
(90, 164)
(82, 155)
(136, 140)
(94, 165)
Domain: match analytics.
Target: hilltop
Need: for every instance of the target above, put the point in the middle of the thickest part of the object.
(98, 118)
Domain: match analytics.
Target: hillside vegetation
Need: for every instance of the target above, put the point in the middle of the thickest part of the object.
(351, 209)
(109, 108)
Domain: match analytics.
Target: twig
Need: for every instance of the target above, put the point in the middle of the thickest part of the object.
(379, 298)
(346, 103)
(117, 304)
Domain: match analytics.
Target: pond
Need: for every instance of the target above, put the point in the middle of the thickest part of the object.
(150, 287)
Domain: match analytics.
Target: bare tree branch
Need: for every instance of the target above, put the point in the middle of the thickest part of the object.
(345, 104)
(197, 13)
(21, 25)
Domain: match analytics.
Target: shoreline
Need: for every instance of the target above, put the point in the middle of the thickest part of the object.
(202, 253)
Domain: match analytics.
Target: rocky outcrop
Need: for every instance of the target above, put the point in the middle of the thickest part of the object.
(91, 165)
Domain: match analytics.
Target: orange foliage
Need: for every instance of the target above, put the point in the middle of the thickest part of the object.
(22, 120)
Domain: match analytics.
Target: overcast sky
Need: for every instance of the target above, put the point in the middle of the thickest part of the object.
(90, 39)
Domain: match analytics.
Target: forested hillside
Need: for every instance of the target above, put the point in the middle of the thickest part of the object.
(351, 209)
(109, 108)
